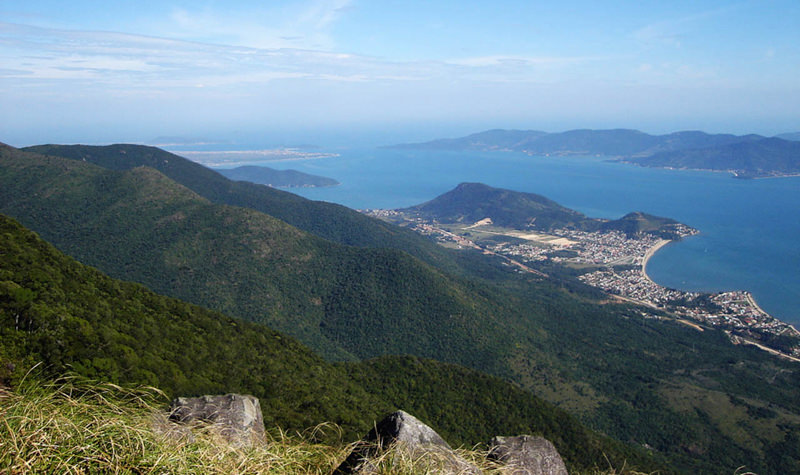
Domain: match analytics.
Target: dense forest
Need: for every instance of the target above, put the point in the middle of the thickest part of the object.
(69, 317)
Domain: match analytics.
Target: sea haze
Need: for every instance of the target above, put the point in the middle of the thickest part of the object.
(749, 228)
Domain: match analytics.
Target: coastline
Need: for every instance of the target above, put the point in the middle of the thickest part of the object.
(649, 254)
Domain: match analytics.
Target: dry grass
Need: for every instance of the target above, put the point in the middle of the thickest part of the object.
(74, 426)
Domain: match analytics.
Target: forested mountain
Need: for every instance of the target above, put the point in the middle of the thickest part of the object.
(617, 142)
(327, 220)
(68, 316)
(753, 159)
(279, 178)
(471, 202)
(686, 394)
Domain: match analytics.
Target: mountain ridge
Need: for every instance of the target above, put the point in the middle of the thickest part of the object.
(611, 142)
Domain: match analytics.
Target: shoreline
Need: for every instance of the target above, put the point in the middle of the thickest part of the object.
(649, 254)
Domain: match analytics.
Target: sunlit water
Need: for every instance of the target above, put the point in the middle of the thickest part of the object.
(750, 229)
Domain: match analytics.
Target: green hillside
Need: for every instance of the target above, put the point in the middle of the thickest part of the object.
(66, 315)
(472, 202)
(343, 301)
(69, 316)
(752, 159)
(327, 220)
(689, 395)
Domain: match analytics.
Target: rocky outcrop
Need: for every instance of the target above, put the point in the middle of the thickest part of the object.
(527, 455)
(237, 418)
(402, 438)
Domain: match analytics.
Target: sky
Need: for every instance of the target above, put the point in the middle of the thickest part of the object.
(314, 70)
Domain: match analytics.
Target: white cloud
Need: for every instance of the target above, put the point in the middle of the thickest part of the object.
(304, 25)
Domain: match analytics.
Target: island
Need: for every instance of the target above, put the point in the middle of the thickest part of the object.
(535, 235)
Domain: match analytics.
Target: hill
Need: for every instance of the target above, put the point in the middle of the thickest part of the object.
(789, 136)
(753, 159)
(345, 302)
(327, 220)
(617, 142)
(278, 178)
(684, 393)
(472, 202)
(69, 316)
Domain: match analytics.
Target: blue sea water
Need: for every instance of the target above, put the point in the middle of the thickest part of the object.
(750, 229)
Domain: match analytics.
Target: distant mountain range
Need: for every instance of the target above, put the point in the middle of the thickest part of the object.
(472, 202)
(277, 178)
(790, 136)
(744, 155)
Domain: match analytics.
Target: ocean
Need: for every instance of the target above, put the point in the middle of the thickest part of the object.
(749, 229)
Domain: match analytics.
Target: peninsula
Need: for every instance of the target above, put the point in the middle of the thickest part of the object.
(536, 235)
(276, 178)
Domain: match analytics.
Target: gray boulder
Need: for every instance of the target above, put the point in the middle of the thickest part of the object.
(404, 437)
(527, 455)
(236, 417)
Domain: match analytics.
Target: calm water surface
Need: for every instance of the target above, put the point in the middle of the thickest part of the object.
(750, 229)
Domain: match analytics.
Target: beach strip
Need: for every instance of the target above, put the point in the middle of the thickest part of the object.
(650, 252)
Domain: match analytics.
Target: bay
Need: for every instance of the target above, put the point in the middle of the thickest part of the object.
(750, 229)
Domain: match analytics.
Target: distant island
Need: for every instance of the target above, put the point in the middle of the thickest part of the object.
(769, 157)
(276, 178)
(744, 156)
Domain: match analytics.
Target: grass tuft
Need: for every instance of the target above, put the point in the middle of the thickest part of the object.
(77, 426)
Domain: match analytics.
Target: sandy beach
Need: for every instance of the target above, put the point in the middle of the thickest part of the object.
(650, 252)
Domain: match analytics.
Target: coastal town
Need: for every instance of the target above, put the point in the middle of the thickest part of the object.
(616, 263)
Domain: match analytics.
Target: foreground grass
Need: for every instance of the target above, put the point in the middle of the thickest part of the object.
(78, 427)
(74, 426)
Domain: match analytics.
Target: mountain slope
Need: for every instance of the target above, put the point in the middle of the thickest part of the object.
(343, 301)
(327, 220)
(67, 315)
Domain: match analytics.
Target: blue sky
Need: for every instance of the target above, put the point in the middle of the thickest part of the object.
(90, 71)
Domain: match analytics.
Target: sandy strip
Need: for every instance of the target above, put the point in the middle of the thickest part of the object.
(658, 245)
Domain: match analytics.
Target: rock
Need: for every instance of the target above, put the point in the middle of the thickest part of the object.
(237, 418)
(527, 455)
(402, 435)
